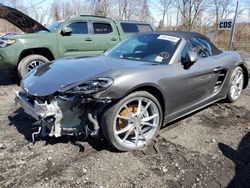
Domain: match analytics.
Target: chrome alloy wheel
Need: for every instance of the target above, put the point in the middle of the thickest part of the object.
(136, 122)
(33, 65)
(237, 84)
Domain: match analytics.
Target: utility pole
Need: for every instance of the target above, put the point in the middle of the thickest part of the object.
(234, 26)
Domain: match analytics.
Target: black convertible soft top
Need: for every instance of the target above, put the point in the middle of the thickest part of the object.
(189, 35)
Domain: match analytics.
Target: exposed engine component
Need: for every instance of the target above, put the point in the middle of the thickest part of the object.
(62, 115)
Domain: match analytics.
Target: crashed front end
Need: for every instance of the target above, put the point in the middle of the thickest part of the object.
(69, 111)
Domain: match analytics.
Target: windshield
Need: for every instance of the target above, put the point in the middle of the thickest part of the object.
(54, 26)
(146, 47)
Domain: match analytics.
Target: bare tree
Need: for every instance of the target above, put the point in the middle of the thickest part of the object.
(66, 9)
(55, 10)
(129, 9)
(164, 6)
(190, 11)
(145, 13)
(39, 13)
(82, 7)
(61, 10)
(124, 9)
(101, 7)
(177, 19)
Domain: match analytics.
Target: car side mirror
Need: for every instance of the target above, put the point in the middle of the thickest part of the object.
(190, 59)
(67, 31)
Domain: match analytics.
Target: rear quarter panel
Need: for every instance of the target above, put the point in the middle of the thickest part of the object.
(232, 59)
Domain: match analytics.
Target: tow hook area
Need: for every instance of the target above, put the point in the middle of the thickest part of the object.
(43, 124)
(96, 127)
(41, 132)
(36, 133)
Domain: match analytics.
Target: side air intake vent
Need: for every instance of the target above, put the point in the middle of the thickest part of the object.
(220, 80)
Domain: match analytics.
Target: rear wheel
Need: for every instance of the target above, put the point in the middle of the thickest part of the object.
(133, 122)
(30, 62)
(236, 84)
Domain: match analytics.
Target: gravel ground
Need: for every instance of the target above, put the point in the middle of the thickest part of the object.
(210, 148)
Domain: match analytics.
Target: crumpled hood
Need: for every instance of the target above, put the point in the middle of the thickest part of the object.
(20, 20)
(52, 77)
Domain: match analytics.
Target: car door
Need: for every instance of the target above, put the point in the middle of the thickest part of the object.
(105, 35)
(78, 43)
(199, 82)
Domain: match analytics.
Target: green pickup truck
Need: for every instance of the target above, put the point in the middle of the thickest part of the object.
(76, 36)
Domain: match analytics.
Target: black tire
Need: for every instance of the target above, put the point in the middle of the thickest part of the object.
(23, 65)
(109, 115)
(230, 98)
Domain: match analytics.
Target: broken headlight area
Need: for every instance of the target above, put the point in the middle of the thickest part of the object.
(90, 87)
(67, 114)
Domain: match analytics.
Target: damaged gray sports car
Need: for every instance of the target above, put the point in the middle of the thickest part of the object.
(130, 92)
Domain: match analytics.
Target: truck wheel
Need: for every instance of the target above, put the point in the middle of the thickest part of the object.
(133, 122)
(30, 62)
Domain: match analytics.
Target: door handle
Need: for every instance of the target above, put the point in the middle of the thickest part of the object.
(88, 39)
(113, 39)
(217, 69)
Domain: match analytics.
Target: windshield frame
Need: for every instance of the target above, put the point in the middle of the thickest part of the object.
(171, 56)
